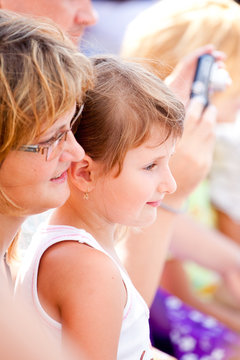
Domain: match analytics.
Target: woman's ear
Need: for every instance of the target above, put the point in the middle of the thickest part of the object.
(81, 174)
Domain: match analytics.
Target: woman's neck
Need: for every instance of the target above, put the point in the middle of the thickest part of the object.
(9, 227)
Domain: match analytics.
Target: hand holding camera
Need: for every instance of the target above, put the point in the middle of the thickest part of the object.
(209, 78)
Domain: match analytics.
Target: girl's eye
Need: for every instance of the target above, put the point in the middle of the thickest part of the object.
(150, 167)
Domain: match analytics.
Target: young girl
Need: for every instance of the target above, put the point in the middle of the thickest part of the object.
(42, 78)
(170, 33)
(71, 273)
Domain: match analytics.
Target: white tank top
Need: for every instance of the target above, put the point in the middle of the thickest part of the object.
(134, 343)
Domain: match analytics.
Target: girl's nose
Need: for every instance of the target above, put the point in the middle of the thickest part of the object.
(168, 184)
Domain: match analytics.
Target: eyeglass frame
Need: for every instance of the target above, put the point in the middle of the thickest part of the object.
(40, 149)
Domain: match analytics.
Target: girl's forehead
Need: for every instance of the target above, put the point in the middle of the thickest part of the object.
(155, 146)
(159, 135)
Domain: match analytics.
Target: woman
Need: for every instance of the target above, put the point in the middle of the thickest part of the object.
(43, 79)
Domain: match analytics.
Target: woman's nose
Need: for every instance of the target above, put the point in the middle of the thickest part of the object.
(73, 151)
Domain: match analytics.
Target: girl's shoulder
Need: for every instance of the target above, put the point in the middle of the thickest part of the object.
(86, 288)
(72, 269)
(76, 255)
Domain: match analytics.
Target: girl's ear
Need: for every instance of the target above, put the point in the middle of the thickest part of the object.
(81, 174)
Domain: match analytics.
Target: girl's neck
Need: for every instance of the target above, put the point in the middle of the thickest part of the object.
(9, 227)
(83, 217)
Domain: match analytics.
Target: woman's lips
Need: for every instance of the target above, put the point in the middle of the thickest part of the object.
(61, 178)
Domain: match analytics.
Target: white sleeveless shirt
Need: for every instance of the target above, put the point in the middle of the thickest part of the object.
(134, 342)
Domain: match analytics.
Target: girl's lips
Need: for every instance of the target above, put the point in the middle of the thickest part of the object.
(155, 203)
(61, 178)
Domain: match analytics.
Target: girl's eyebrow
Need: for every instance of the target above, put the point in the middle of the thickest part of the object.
(155, 159)
(164, 156)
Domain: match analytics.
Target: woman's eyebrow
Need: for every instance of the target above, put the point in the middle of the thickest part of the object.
(52, 133)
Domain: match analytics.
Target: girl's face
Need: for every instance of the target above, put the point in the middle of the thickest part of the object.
(35, 184)
(133, 197)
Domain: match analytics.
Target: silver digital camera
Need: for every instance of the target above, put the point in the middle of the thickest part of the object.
(208, 78)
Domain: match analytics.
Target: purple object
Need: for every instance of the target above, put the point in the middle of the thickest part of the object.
(190, 334)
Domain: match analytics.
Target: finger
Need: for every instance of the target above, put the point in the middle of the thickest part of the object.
(207, 123)
(210, 115)
(219, 55)
(180, 80)
(194, 110)
(192, 58)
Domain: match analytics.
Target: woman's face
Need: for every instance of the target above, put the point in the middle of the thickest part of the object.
(35, 184)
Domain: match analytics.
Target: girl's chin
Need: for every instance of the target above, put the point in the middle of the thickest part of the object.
(146, 222)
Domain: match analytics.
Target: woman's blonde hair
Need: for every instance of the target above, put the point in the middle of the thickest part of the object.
(168, 31)
(42, 75)
(121, 111)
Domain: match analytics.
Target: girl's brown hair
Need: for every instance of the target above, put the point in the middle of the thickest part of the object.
(121, 110)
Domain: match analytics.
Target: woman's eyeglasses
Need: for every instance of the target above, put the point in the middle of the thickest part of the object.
(54, 146)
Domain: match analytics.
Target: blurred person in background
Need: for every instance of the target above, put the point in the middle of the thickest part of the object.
(114, 16)
(73, 16)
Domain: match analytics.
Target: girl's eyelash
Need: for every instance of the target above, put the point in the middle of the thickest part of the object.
(150, 166)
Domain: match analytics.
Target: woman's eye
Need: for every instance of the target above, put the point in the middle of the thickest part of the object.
(150, 167)
(47, 142)
(52, 139)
